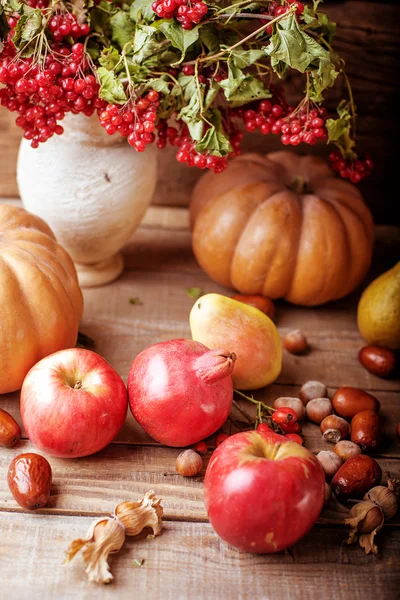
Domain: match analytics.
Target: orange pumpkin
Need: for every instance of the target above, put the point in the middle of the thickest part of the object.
(282, 226)
(41, 302)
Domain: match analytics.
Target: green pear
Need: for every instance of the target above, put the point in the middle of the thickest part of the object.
(218, 321)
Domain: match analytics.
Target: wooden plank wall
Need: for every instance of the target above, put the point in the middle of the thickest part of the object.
(368, 39)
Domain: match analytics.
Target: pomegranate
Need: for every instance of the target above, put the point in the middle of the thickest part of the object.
(181, 392)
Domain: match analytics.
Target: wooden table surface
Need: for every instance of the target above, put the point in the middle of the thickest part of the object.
(188, 560)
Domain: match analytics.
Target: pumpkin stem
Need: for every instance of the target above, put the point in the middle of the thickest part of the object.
(300, 186)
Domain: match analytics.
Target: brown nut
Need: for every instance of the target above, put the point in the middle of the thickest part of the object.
(334, 428)
(355, 477)
(346, 449)
(294, 403)
(318, 409)
(377, 360)
(295, 342)
(10, 431)
(311, 390)
(330, 462)
(348, 401)
(189, 463)
(327, 495)
(365, 430)
(29, 479)
(261, 302)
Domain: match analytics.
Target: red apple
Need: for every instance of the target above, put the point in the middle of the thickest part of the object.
(262, 492)
(73, 403)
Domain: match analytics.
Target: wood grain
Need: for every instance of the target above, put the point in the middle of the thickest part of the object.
(188, 560)
(368, 39)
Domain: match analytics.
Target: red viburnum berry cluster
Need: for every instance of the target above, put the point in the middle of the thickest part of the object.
(62, 26)
(42, 95)
(304, 125)
(187, 15)
(355, 169)
(135, 121)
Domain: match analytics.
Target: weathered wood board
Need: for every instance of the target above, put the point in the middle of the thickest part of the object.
(189, 559)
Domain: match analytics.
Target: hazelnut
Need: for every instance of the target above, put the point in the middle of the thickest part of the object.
(318, 409)
(311, 390)
(295, 342)
(294, 403)
(377, 360)
(189, 463)
(346, 449)
(334, 428)
(330, 462)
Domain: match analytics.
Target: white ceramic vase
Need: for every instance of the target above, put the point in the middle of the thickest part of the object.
(92, 189)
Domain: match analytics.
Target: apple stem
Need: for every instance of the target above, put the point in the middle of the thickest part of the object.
(78, 385)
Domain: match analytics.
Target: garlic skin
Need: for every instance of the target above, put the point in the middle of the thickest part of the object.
(107, 535)
(330, 462)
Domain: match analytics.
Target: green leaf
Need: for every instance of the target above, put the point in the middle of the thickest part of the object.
(109, 58)
(328, 28)
(158, 84)
(215, 141)
(179, 38)
(29, 24)
(211, 94)
(240, 88)
(194, 292)
(322, 79)
(145, 44)
(141, 9)
(210, 38)
(245, 58)
(290, 45)
(137, 562)
(339, 130)
(111, 88)
(190, 113)
(122, 28)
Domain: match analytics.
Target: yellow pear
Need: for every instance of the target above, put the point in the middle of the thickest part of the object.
(378, 314)
(220, 322)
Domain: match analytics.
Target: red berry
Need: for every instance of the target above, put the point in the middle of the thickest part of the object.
(295, 437)
(221, 437)
(283, 416)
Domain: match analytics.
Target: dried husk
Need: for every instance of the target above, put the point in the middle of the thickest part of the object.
(358, 516)
(107, 535)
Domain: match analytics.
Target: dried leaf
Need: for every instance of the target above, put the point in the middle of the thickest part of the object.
(135, 301)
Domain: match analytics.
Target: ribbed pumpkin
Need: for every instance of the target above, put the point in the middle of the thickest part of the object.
(41, 302)
(282, 226)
